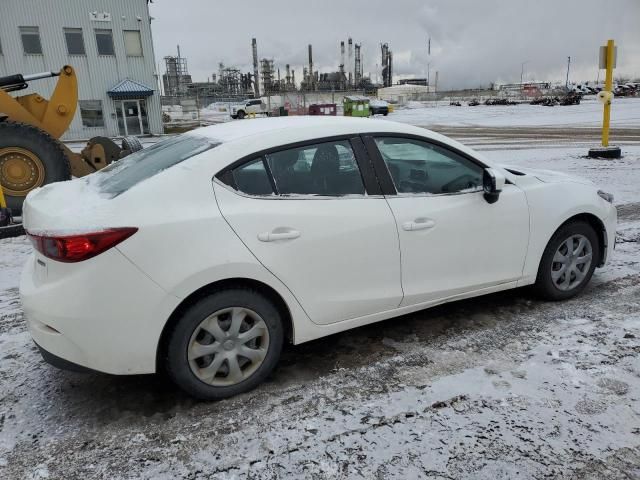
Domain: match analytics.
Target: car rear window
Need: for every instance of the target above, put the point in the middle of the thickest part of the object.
(120, 176)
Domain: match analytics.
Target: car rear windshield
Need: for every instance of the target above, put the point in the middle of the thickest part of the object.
(120, 176)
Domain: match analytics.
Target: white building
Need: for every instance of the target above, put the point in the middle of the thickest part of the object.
(400, 94)
(108, 42)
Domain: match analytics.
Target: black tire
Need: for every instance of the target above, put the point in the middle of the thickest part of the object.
(46, 148)
(176, 363)
(241, 114)
(131, 144)
(386, 113)
(544, 286)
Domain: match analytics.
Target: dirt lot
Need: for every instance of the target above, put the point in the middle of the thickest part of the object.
(502, 386)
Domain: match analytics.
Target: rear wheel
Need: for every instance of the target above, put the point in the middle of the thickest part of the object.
(568, 261)
(225, 344)
(29, 158)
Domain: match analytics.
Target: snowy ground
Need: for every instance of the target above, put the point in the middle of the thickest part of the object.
(625, 112)
(499, 387)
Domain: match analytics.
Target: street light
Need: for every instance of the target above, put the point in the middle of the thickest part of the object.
(522, 73)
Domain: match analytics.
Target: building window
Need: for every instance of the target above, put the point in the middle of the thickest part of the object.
(31, 40)
(91, 113)
(104, 41)
(75, 42)
(132, 43)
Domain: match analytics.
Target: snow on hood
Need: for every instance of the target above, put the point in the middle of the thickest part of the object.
(549, 176)
(68, 207)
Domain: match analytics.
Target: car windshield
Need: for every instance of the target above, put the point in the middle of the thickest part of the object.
(120, 176)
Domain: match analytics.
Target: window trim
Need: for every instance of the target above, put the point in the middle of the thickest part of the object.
(66, 30)
(102, 32)
(382, 171)
(22, 33)
(124, 35)
(371, 187)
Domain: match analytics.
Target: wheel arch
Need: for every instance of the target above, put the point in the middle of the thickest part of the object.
(597, 225)
(238, 282)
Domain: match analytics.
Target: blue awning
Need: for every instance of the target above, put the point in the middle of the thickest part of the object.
(129, 89)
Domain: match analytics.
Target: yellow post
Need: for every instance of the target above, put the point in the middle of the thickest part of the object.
(608, 86)
(3, 202)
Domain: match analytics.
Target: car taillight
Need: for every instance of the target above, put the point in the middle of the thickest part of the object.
(76, 248)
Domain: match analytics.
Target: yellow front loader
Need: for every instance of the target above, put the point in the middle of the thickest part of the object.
(31, 154)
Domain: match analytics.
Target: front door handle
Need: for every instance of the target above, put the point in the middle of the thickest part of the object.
(278, 234)
(418, 224)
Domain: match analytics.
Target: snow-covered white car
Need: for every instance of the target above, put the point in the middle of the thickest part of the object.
(256, 107)
(203, 254)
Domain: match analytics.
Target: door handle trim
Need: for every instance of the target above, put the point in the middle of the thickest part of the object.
(419, 224)
(275, 235)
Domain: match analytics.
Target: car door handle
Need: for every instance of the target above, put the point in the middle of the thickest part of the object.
(418, 224)
(278, 234)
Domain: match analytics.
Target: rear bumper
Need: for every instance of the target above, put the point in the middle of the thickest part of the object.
(103, 314)
(61, 363)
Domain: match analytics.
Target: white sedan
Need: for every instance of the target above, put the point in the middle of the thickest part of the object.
(203, 254)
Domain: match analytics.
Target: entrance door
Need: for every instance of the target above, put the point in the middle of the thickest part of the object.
(132, 117)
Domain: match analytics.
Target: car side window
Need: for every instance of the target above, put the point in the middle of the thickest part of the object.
(328, 169)
(252, 178)
(420, 167)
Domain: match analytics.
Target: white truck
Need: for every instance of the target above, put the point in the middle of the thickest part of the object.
(256, 106)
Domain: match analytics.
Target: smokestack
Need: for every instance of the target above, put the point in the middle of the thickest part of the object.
(390, 74)
(357, 67)
(310, 68)
(293, 78)
(256, 77)
(350, 61)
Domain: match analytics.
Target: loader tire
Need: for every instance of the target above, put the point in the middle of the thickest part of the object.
(29, 158)
(130, 145)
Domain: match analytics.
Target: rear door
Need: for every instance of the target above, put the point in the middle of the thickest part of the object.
(313, 215)
(452, 240)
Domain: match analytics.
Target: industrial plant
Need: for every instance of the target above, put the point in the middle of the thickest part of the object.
(269, 78)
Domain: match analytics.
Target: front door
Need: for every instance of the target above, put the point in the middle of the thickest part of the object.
(305, 215)
(132, 117)
(452, 240)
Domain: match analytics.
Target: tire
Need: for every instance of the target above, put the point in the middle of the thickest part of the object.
(46, 161)
(553, 285)
(240, 114)
(189, 337)
(131, 144)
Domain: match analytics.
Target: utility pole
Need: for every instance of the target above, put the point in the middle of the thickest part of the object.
(568, 65)
(428, 73)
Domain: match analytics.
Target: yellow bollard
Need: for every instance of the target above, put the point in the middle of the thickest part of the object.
(608, 86)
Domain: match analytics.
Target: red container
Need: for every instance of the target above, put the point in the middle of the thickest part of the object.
(323, 109)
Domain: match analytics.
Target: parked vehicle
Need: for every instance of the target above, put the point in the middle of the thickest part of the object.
(203, 254)
(256, 107)
(378, 107)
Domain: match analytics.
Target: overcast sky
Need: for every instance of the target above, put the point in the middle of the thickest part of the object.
(473, 42)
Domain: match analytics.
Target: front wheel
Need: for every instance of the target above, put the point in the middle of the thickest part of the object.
(568, 261)
(240, 115)
(225, 344)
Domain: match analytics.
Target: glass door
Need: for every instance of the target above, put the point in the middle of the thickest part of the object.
(132, 120)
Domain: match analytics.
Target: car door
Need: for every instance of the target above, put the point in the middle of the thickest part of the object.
(452, 240)
(308, 216)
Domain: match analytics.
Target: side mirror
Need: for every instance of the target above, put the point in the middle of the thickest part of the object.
(492, 183)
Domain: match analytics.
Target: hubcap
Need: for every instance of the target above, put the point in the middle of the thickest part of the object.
(228, 346)
(571, 262)
(20, 171)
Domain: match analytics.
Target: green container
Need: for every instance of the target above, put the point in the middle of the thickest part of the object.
(356, 106)
(284, 112)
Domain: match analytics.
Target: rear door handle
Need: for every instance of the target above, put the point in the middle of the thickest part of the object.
(418, 224)
(278, 234)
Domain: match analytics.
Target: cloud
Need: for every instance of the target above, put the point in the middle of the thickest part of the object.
(473, 42)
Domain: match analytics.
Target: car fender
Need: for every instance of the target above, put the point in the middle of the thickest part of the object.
(551, 205)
